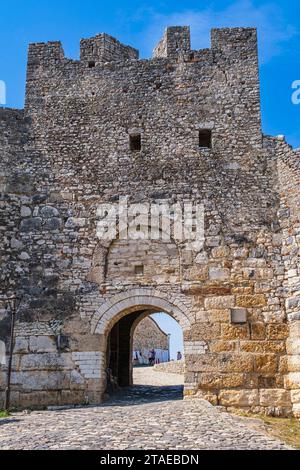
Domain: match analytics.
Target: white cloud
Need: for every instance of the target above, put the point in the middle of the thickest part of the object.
(274, 33)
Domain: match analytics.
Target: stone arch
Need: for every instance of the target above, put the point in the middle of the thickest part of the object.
(100, 256)
(138, 299)
(115, 320)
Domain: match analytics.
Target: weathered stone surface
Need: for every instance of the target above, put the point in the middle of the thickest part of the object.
(48, 211)
(293, 346)
(25, 211)
(220, 302)
(222, 363)
(258, 331)
(42, 344)
(219, 274)
(47, 361)
(239, 397)
(74, 222)
(31, 224)
(41, 380)
(257, 300)
(235, 331)
(292, 381)
(21, 345)
(277, 331)
(271, 397)
(266, 363)
(210, 381)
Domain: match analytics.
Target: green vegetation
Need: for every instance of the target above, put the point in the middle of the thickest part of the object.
(285, 429)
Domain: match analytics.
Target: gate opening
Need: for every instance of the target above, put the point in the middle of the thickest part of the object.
(141, 354)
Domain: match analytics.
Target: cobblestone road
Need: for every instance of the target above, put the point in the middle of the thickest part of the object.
(141, 417)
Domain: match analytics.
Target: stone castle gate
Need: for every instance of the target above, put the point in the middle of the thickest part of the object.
(182, 126)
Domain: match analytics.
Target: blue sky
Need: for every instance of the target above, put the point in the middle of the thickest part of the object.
(169, 325)
(141, 24)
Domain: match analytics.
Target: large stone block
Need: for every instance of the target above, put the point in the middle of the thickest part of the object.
(39, 399)
(294, 329)
(257, 330)
(239, 397)
(42, 344)
(221, 363)
(219, 274)
(296, 410)
(41, 380)
(207, 380)
(295, 396)
(205, 331)
(293, 363)
(266, 364)
(221, 316)
(277, 331)
(274, 397)
(293, 346)
(223, 346)
(47, 361)
(235, 331)
(21, 345)
(258, 300)
(77, 380)
(262, 346)
(292, 380)
(219, 302)
(76, 397)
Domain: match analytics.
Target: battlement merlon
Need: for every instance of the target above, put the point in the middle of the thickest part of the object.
(105, 48)
(239, 41)
(45, 53)
(176, 41)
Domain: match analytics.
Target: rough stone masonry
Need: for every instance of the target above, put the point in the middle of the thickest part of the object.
(183, 125)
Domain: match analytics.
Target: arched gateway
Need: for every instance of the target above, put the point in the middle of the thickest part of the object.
(117, 319)
(110, 128)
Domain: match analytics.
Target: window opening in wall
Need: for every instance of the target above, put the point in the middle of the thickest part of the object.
(205, 138)
(135, 142)
(91, 64)
(139, 269)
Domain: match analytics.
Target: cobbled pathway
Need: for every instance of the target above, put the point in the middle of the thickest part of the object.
(141, 417)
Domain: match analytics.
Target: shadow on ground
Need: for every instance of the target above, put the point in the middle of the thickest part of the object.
(8, 421)
(141, 394)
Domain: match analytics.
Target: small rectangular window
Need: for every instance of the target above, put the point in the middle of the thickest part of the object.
(135, 142)
(91, 64)
(205, 138)
(139, 269)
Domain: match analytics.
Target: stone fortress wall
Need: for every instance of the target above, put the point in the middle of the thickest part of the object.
(70, 150)
(149, 335)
